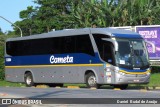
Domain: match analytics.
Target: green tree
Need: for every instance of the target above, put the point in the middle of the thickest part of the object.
(140, 12)
(2, 52)
(2, 42)
(48, 15)
(62, 14)
(1, 33)
(28, 23)
(10, 33)
(53, 14)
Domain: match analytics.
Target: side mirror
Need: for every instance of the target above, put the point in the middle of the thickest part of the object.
(153, 46)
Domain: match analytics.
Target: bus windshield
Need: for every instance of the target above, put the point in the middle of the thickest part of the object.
(132, 54)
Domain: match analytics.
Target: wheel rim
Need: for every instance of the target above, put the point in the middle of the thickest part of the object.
(92, 81)
(28, 80)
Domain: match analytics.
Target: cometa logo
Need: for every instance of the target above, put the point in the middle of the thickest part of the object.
(66, 59)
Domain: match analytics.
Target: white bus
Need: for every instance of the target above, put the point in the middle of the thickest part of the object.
(95, 56)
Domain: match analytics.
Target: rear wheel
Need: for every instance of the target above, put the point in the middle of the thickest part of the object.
(29, 80)
(122, 87)
(91, 81)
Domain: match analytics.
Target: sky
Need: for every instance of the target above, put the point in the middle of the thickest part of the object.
(10, 10)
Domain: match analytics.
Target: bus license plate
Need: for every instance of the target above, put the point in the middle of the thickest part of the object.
(136, 80)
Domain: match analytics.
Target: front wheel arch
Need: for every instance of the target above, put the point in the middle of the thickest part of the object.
(91, 80)
(28, 79)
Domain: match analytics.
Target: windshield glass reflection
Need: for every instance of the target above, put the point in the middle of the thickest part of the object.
(132, 54)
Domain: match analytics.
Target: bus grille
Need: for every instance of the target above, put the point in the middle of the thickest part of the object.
(135, 75)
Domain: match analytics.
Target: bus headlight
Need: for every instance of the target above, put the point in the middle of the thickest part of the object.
(148, 73)
(121, 73)
(116, 69)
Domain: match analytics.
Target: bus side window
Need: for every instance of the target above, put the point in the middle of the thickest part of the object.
(84, 45)
(108, 54)
(55, 47)
(68, 44)
(9, 48)
(105, 48)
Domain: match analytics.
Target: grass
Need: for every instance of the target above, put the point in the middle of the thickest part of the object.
(154, 81)
(10, 84)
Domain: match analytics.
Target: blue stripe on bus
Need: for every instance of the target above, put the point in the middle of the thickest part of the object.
(79, 58)
(45, 59)
(133, 36)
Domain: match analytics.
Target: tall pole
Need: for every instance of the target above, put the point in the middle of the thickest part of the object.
(12, 24)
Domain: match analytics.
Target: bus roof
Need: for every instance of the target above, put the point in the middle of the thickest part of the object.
(119, 33)
(107, 31)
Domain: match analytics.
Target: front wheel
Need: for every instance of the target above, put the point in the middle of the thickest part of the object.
(29, 80)
(91, 81)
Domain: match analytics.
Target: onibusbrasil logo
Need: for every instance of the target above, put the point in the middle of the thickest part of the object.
(66, 59)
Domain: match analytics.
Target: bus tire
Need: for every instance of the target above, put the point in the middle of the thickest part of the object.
(29, 80)
(91, 81)
(122, 87)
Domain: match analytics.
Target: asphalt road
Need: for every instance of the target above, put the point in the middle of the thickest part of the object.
(29, 92)
(85, 95)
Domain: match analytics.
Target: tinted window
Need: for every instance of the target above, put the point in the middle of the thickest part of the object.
(84, 45)
(57, 45)
(68, 44)
(105, 48)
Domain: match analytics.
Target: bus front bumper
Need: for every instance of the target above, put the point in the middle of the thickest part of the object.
(122, 78)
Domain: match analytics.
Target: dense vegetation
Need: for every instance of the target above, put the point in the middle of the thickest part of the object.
(2, 44)
(68, 14)
(2, 38)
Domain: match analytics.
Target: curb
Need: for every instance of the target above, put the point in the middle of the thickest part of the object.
(157, 88)
(23, 86)
(74, 87)
(3, 94)
(152, 88)
(143, 90)
(93, 88)
(41, 86)
(116, 89)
